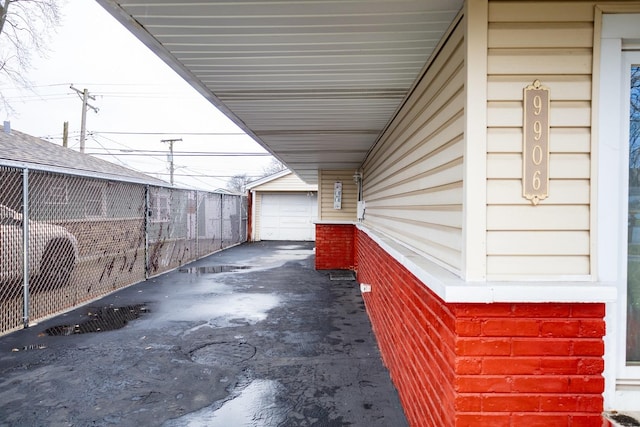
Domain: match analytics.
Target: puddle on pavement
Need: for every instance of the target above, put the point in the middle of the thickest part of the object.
(254, 406)
(288, 255)
(226, 310)
(101, 319)
(213, 269)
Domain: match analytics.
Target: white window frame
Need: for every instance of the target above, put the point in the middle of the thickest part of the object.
(622, 382)
(99, 189)
(57, 187)
(158, 214)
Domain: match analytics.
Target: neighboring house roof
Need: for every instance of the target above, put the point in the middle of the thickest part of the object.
(284, 180)
(19, 149)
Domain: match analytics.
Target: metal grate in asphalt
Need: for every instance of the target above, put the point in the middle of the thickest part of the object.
(342, 275)
(223, 353)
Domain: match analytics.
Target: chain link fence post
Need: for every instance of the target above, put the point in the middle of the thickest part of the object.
(25, 246)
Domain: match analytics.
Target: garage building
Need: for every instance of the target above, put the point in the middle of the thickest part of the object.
(284, 208)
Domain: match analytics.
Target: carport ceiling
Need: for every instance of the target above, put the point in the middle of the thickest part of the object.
(313, 81)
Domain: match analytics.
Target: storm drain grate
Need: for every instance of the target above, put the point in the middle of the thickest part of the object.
(101, 319)
(342, 275)
(223, 353)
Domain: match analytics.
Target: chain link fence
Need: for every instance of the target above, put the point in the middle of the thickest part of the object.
(89, 236)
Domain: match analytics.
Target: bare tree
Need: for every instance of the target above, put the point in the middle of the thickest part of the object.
(25, 27)
(274, 167)
(238, 182)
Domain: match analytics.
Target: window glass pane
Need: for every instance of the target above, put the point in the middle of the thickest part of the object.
(633, 261)
(93, 203)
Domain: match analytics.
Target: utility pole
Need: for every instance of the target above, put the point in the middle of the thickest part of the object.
(84, 95)
(65, 134)
(170, 156)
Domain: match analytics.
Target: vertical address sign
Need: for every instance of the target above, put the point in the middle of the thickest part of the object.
(535, 167)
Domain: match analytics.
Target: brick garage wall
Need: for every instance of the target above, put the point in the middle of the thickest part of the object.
(481, 365)
(335, 246)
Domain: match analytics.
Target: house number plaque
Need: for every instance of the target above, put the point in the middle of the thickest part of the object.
(535, 167)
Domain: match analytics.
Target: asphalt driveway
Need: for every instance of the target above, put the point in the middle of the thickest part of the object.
(250, 336)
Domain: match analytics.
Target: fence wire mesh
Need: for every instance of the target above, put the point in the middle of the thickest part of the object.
(11, 249)
(171, 227)
(90, 236)
(209, 222)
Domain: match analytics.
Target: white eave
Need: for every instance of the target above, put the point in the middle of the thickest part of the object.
(314, 81)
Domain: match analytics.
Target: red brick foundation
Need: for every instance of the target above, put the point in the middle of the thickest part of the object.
(498, 365)
(335, 246)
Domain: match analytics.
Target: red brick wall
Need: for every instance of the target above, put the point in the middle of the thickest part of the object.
(482, 364)
(335, 246)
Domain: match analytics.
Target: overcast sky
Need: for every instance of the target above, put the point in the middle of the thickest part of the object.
(141, 101)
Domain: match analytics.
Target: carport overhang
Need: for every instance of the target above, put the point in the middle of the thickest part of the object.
(314, 82)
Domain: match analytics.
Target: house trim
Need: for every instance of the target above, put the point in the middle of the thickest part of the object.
(453, 289)
(474, 229)
(613, 26)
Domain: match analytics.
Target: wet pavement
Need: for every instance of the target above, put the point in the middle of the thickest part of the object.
(250, 336)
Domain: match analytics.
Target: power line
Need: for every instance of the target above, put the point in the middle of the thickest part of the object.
(179, 153)
(171, 133)
(150, 156)
(103, 147)
(201, 175)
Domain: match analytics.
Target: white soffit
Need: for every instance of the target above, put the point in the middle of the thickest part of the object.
(313, 81)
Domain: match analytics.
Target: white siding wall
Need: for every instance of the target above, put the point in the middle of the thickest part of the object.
(552, 42)
(413, 177)
(289, 182)
(327, 178)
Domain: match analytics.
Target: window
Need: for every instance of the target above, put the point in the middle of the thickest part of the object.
(160, 205)
(633, 228)
(57, 193)
(94, 202)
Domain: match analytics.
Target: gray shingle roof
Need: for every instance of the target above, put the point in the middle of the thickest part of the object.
(17, 146)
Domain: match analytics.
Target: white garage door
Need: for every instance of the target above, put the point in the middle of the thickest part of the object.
(288, 216)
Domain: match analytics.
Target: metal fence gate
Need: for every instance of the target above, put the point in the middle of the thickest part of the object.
(86, 237)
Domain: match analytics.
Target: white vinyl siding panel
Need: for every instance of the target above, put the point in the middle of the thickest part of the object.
(347, 212)
(288, 182)
(562, 140)
(536, 11)
(565, 192)
(536, 242)
(532, 265)
(562, 166)
(552, 42)
(544, 217)
(413, 176)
